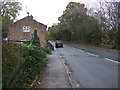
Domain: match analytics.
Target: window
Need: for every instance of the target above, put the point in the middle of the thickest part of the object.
(26, 28)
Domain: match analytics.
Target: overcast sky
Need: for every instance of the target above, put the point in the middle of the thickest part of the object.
(46, 11)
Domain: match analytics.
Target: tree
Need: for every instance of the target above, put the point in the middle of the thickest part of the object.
(9, 12)
(107, 14)
(10, 9)
(5, 23)
(72, 17)
(54, 32)
(35, 39)
(81, 26)
(113, 12)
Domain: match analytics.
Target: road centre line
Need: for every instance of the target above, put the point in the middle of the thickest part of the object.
(78, 49)
(112, 60)
(92, 54)
(98, 56)
(81, 50)
(105, 58)
(87, 52)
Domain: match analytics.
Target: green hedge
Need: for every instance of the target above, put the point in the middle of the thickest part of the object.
(13, 56)
(22, 63)
(36, 63)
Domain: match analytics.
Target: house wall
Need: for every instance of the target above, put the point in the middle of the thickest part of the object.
(16, 33)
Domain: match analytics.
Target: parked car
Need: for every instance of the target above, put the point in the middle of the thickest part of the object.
(58, 43)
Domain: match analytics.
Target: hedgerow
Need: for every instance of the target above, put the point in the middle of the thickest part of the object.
(13, 56)
(36, 63)
(22, 63)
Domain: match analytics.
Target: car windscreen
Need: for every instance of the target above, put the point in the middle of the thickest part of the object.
(59, 41)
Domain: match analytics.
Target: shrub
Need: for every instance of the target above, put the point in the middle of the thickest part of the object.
(36, 63)
(12, 57)
(110, 38)
(35, 39)
(32, 56)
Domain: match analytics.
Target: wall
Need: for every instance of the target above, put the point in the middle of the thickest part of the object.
(16, 33)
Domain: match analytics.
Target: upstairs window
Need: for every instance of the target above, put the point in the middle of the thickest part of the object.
(26, 28)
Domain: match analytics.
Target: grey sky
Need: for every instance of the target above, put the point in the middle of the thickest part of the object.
(47, 11)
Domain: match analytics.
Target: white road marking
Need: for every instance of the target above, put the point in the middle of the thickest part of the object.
(112, 60)
(78, 49)
(97, 56)
(81, 50)
(92, 54)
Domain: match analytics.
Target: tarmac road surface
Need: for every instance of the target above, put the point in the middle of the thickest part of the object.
(90, 70)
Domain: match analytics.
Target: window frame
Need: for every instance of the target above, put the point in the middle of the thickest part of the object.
(26, 28)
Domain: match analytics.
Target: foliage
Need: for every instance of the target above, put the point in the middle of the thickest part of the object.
(35, 39)
(49, 47)
(111, 37)
(47, 50)
(10, 9)
(5, 23)
(53, 32)
(76, 25)
(32, 55)
(65, 35)
(36, 62)
(9, 12)
(107, 13)
(12, 56)
(82, 25)
(118, 39)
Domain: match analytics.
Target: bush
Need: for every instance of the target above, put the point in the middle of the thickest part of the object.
(35, 39)
(36, 62)
(110, 38)
(47, 50)
(31, 56)
(12, 57)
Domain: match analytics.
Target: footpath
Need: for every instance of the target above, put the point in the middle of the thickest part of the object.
(55, 76)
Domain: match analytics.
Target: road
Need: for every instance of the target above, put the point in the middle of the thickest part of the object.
(90, 70)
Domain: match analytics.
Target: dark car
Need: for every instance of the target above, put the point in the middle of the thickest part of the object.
(58, 43)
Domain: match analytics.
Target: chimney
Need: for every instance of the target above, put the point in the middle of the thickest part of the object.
(30, 17)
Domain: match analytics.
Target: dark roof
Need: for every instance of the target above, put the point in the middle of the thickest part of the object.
(29, 17)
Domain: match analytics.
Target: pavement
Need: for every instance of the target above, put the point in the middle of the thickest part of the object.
(56, 75)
